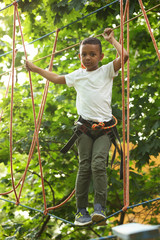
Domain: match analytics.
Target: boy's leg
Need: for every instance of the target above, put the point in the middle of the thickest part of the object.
(85, 144)
(101, 148)
(100, 151)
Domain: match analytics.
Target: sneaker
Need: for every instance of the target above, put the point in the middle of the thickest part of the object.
(98, 215)
(82, 218)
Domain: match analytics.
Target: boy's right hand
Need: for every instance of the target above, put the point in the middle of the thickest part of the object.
(30, 66)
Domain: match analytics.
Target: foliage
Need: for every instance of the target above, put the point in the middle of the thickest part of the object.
(39, 18)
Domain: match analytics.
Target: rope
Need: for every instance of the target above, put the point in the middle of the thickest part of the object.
(48, 34)
(101, 125)
(125, 164)
(74, 45)
(128, 122)
(149, 28)
(123, 102)
(11, 110)
(61, 204)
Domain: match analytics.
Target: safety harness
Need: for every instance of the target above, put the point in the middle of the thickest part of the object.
(87, 127)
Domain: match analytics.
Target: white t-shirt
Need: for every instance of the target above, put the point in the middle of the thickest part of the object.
(94, 92)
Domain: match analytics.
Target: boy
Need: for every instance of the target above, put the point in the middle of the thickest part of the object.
(94, 92)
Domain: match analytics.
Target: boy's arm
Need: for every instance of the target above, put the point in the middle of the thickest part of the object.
(109, 36)
(52, 77)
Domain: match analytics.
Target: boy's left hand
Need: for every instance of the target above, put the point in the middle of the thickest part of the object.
(108, 34)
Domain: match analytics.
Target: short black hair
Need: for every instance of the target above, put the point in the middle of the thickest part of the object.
(92, 40)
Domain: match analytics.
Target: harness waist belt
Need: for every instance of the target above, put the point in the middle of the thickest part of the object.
(83, 126)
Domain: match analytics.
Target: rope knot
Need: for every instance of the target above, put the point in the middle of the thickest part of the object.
(96, 126)
(17, 203)
(45, 212)
(124, 209)
(15, 3)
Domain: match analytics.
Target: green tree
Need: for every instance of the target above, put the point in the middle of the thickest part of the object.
(39, 18)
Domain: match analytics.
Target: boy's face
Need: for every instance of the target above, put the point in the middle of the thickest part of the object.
(90, 56)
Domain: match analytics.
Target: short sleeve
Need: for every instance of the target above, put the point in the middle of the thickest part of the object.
(109, 70)
(70, 78)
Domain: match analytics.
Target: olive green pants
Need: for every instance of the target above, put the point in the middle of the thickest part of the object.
(92, 163)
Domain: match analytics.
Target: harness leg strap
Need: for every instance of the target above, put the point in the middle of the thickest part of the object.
(71, 141)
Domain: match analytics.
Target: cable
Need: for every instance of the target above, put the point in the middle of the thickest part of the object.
(40, 211)
(112, 215)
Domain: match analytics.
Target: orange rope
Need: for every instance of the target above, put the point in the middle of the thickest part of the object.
(6, 193)
(149, 28)
(61, 204)
(128, 122)
(126, 11)
(101, 125)
(126, 163)
(123, 102)
(11, 114)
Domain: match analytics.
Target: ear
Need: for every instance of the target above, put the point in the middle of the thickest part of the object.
(82, 66)
(102, 56)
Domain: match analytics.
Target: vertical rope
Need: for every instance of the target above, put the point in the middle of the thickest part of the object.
(11, 114)
(126, 10)
(123, 103)
(124, 17)
(125, 162)
(128, 123)
(149, 28)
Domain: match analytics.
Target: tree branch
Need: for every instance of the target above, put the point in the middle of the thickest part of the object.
(38, 234)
